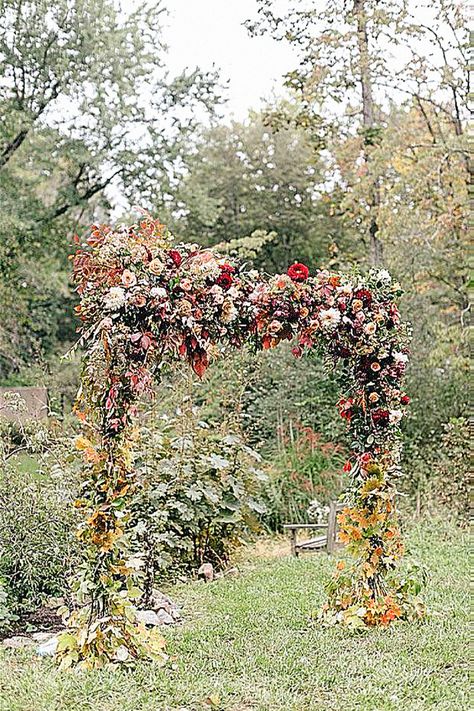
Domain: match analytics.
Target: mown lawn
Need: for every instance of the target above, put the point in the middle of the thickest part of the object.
(248, 644)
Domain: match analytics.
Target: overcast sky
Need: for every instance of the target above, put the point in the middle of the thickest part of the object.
(206, 32)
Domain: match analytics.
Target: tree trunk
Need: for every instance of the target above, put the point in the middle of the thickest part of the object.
(376, 251)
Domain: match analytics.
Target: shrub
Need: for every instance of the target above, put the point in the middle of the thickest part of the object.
(451, 485)
(201, 491)
(37, 524)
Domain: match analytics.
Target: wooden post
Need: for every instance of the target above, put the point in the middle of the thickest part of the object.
(331, 543)
(293, 542)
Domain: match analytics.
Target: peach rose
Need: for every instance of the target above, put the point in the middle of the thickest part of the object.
(274, 327)
(156, 266)
(129, 278)
(184, 307)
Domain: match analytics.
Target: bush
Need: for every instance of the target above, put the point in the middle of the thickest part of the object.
(38, 546)
(201, 491)
(451, 485)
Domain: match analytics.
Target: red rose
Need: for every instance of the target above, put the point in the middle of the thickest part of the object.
(175, 256)
(347, 466)
(297, 351)
(404, 399)
(298, 272)
(224, 280)
(381, 417)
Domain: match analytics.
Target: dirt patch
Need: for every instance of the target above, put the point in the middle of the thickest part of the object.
(43, 619)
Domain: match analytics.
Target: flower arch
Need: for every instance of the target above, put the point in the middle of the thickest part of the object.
(145, 301)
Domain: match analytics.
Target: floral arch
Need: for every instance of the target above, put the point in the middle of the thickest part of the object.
(145, 301)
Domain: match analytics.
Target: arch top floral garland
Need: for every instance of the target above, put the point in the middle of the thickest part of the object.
(146, 301)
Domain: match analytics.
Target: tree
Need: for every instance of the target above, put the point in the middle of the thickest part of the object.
(356, 58)
(87, 111)
(245, 177)
(383, 87)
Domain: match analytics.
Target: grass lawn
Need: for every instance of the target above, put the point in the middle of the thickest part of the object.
(247, 644)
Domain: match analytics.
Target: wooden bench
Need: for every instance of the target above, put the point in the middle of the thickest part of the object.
(325, 542)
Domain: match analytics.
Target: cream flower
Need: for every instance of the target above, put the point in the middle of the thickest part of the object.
(344, 290)
(115, 298)
(384, 276)
(400, 358)
(329, 318)
(157, 292)
(395, 416)
(229, 312)
(217, 294)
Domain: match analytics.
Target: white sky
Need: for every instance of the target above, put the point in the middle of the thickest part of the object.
(210, 32)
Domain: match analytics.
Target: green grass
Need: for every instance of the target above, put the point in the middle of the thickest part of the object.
(248, 642)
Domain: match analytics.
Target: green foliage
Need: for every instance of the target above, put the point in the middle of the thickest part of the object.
(38, 548)
(305, 472)
(246, 177)
(202, 489)
(283, 389)
(451, 485)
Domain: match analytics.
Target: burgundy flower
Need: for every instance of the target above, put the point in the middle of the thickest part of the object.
(404, 399)
(381, 417)
(364, 295)
(345, 408)
(298, 272)
(224, 280)
(341, 351)
(175, 256)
